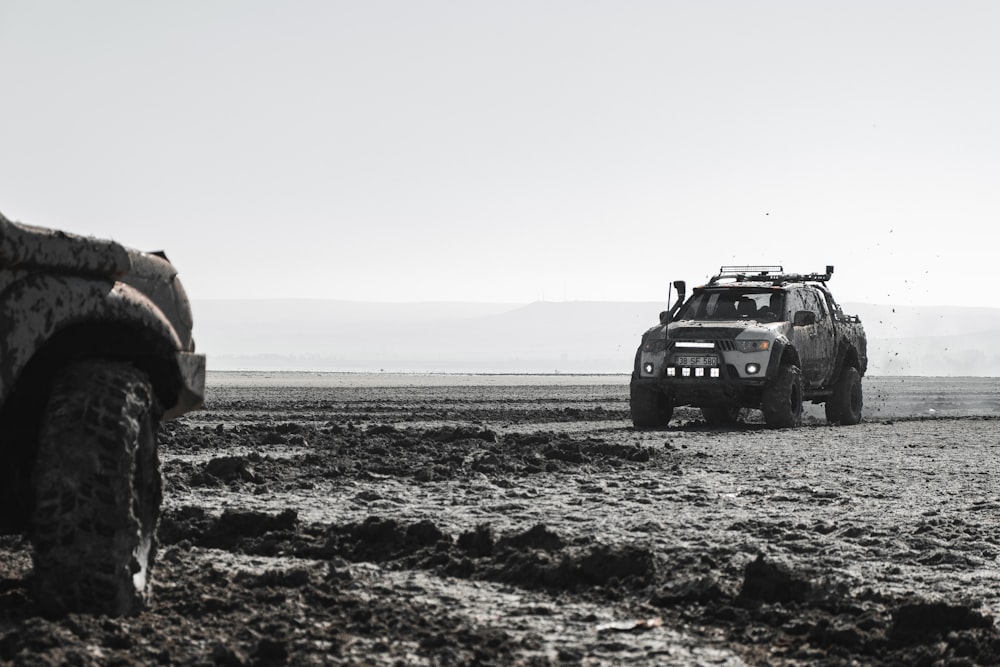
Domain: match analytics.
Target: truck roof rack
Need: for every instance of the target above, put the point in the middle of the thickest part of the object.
(771, 274)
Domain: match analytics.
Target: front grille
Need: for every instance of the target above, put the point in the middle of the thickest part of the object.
(705, 332)
(720, 344)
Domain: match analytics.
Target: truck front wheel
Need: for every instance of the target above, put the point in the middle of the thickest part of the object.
(844, 407)
(782, 401)
(97, 491)
(650, 409)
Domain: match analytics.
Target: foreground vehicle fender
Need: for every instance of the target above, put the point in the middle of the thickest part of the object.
(36, 308)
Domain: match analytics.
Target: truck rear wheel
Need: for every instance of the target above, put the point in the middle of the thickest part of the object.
(97, 491)
(650, 409)
(845, 406)
(782, 401)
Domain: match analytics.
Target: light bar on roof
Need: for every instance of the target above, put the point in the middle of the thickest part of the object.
(751, 269)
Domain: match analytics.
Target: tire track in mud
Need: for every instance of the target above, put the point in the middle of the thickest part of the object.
(504, 526)
(704, 574)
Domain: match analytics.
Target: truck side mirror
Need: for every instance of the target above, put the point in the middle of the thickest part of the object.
(664, 317)
(804, 318)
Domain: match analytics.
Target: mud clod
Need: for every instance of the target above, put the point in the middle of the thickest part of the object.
(918, 621)
(231, 469)
(769, 582)
(536, 537)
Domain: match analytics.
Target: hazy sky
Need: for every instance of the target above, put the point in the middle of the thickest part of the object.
(513, 151)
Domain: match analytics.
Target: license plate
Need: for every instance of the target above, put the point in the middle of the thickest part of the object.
(697, 361)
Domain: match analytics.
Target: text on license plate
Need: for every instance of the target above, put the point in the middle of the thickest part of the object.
(697, 361)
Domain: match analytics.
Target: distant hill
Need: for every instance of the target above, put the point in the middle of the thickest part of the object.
(540, 337)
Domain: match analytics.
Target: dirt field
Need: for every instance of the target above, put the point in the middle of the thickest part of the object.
(475, 520)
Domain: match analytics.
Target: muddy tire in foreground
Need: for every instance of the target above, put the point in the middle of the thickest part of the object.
(847, 402)
(650, 409)
(782, 401)
(97, 491)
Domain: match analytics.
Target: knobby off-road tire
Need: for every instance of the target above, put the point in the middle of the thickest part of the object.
(97, 491)
(846, 404)
(782, 401)
(716, 415)
(650, 409)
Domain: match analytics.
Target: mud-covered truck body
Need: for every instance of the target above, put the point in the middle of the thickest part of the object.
(752, 337)
(95, 350)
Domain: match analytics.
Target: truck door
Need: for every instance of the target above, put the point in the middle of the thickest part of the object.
(813, 341)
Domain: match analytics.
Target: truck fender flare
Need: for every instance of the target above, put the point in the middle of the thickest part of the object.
(782, 350)
(32, 310)
(847, 355)
(838, 363)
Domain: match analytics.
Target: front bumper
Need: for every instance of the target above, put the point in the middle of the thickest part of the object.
(191, 396)
(726, 389)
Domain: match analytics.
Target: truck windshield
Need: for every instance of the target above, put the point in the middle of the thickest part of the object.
(734, 304)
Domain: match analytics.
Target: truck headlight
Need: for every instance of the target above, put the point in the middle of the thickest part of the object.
(753, 345)
(753, 369)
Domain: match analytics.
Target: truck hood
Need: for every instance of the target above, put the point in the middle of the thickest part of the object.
(690, 329)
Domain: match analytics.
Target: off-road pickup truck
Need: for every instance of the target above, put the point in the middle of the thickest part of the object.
(752, 337)
(95, 350)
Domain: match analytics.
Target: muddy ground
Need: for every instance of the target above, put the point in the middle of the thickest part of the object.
(477, 521)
